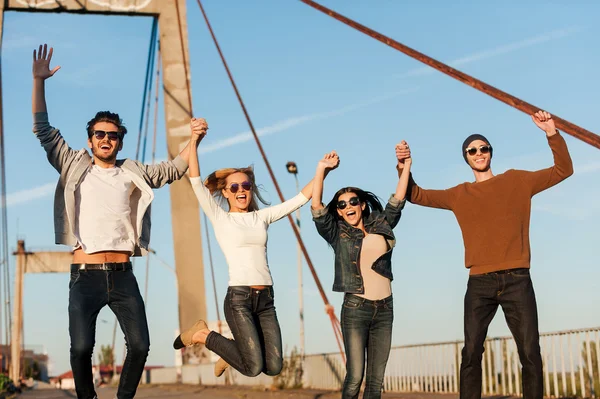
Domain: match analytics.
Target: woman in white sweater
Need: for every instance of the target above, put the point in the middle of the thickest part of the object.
(242, 235)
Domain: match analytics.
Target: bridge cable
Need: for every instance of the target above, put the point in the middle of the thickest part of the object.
(329, 309)
(191, 113)
(4, 260)
(562, 124)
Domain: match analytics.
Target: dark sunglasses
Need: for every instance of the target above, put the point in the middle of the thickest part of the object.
(235, 186)
(113, 136)
(352, 201)
(484, 149)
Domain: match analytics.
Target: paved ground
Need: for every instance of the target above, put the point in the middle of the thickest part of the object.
(188, 392)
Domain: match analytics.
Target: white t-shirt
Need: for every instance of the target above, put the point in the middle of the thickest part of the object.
(243, 236)
(103, 211)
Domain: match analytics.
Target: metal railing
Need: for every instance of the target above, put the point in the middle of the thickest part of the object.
(570, 358)
(571, 368)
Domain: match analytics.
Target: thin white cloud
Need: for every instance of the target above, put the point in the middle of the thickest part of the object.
(296, 121)
(508, 48)
(19, 42)
(23, 196)
(588, 168)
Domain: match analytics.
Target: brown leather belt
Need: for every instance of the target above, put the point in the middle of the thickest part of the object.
(107, 266)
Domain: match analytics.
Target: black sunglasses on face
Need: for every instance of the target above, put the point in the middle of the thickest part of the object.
(113, 136)
(352, 201)
(235, 186)
(484, 149)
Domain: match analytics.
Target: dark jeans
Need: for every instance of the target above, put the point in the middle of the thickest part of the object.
(256, 344)
(90, 291)
(366, 325)
(514, 292)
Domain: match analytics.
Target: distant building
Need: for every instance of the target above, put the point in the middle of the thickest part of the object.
(33, 364)
(102, 375)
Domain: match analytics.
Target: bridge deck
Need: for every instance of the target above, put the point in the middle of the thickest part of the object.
(188, 392)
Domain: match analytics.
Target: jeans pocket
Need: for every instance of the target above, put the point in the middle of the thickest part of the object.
(238, 296)
(351, 304)
(74, 278)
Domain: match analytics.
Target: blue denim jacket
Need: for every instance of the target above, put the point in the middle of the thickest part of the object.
(346, 242)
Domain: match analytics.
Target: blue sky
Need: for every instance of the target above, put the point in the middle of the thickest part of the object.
(312, 85)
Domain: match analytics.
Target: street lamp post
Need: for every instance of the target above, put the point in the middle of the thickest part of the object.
(293, 169)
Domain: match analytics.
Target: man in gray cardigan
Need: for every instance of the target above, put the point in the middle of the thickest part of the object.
(102, 210)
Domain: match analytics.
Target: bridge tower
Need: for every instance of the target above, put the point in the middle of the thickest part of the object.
(171, 14)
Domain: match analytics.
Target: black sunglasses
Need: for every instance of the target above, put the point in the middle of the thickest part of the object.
(235, 186)
(484, 149)
(113, 136)
(352, 201)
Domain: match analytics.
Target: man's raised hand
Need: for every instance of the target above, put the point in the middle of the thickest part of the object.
(544, 121)
(199, 128)
(41, 63)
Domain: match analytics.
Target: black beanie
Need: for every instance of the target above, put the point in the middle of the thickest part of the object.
(472, 138)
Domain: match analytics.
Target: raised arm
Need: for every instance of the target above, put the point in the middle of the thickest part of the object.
(274, 213)
(207, 202)
(443, 199)
(60, 155)
(41, 71)
(166, 172)
(563, 165)
(325, 223)
(393, 209)
(329, 162)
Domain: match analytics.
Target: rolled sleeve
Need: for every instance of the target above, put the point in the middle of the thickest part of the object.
(396, 203)
(317, 213)
(180, 164)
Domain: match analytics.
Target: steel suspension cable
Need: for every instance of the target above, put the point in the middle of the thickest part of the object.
(334, 320)
(147, 81)
(204, 218)
(158, 59)
(562, 124)
(4, 245)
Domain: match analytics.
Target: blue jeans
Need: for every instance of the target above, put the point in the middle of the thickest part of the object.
(90, 291)
(513, 290)
(366, 325)
(256, 345)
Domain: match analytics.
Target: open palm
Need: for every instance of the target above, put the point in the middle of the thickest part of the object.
(41, 63)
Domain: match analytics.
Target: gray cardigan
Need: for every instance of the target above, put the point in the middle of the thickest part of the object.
(72, 165)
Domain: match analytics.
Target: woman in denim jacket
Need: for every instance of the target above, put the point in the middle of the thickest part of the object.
(360, 232)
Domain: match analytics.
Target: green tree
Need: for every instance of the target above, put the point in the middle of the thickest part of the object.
(291, 372)
(595, 372)
(106, 356)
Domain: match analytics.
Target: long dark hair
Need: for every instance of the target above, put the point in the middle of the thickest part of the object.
(365, 197)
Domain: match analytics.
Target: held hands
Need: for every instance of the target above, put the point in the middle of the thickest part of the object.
(329, 161)
(199, 128)
(403, 154)
(41, 63)
(544, 121)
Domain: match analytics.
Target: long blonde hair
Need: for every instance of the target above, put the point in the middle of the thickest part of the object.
(217, 181)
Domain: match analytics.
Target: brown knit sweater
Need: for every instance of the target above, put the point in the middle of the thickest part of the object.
(494, 214)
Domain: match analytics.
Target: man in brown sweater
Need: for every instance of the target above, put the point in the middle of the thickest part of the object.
(493, 213)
